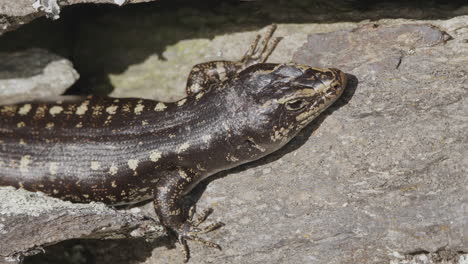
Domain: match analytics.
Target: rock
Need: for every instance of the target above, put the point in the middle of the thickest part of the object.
(19, 12)
(33, 74)
(55, 220)
(442, 257)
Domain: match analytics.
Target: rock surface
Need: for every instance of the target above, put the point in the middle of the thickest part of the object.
(30, 221)
(32, 74)
(19, 12)
(381, 177)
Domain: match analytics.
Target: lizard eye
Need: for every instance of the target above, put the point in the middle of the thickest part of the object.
(295, 105)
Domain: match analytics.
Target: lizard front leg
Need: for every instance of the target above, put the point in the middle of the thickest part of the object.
(203, 76)
(168, 198)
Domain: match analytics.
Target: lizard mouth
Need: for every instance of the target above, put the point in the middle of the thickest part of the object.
(340, 81)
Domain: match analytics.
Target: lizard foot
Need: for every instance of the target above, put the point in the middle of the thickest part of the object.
(190, 231)
(259, 54)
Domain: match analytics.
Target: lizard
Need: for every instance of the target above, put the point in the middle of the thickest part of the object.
(126, 150)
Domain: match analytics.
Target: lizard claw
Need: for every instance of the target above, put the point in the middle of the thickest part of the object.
(190, 231)
(259, 54)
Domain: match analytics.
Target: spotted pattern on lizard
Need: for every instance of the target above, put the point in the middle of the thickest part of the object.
(127, 150)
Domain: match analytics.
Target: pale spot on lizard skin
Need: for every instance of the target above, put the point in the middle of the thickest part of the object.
(183, 147)
(232, 158)
(40, 112)
(160, 107)
(81, 110)
(144, 122)
(113, 184)
(95, 165)
(280, 134)
(24, 163)
(24, 110)
(181, 102)
(183, 174)
(113, 169)
(195, 87)
(50, 125)
(9, 110)
(155, 156)
(70, 110)
(133, 164)
(199, 95)
(175, 212)
(126, 107)
(221, 71)
(21, 124)
(97, 110)
(21, 142)
(55, 110)
(79, 125)
(138, 109)
(53, 167)
(111, 110)
(108, 120)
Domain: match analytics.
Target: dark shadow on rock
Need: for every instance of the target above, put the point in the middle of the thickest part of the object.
(24, 64)
(123, 251)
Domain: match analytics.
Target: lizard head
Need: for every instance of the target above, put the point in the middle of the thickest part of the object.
(287, 97)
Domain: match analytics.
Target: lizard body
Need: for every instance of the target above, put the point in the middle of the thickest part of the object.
(120, 151)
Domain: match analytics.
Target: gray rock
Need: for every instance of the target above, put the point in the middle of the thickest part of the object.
(55, 220)
(13, 14)
(33, 74)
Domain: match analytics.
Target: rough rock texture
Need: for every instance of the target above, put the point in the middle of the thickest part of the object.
(30, 221)
(34, 73)
(19, 12)
(381, 177)
(442, 257)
